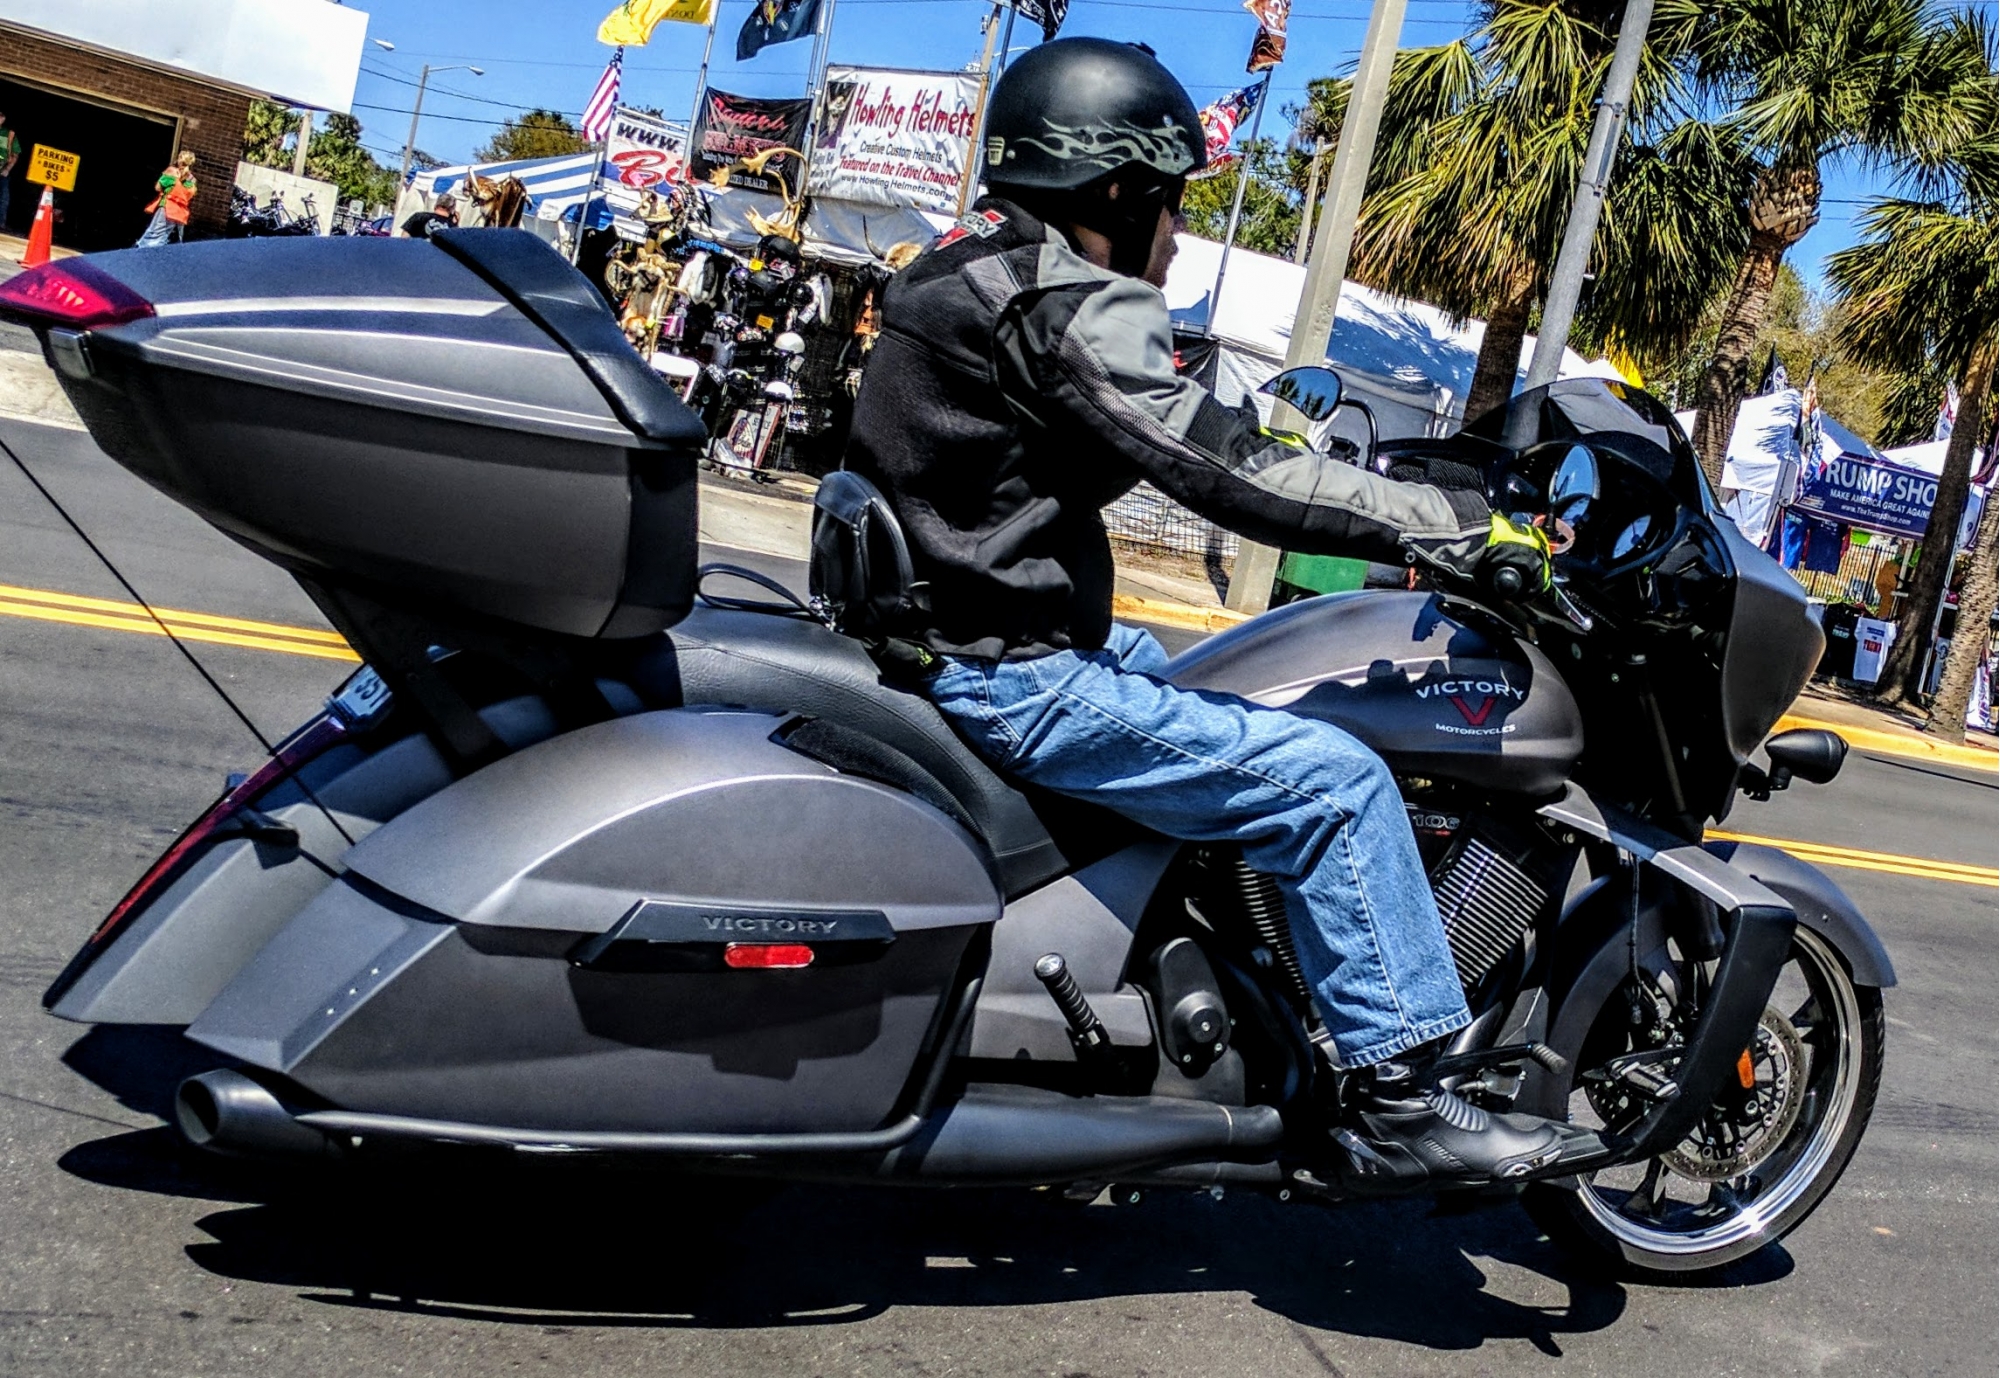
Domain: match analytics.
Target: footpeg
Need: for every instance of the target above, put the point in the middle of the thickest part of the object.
(1087, 1033)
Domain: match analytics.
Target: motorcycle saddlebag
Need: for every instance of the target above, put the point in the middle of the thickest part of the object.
(451, 427)
(666, 923)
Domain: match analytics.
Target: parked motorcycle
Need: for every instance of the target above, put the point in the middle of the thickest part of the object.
(248, 220)
(584, 862)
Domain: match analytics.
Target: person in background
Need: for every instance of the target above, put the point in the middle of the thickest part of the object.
(176, 189)
(442, 216)
(10, 153)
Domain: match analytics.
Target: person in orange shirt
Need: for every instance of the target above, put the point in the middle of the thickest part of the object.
(176, 188)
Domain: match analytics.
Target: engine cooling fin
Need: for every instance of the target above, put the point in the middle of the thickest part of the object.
(1489, 887)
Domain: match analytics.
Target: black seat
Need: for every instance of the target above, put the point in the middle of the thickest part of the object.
(790, 665)
(545, 288)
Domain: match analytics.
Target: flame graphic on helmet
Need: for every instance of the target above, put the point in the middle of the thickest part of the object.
(1113, 146)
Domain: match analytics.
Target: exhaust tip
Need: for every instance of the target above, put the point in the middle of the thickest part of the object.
(226, 1112)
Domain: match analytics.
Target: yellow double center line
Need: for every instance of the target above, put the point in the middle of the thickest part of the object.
(1888, 863)
(42, 605)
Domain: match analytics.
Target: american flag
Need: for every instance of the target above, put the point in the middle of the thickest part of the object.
(603, 101)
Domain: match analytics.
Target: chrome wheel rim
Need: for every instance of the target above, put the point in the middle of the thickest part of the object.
(1647, 1205)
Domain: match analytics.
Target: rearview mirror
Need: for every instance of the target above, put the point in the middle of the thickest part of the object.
(1812, 754)
(1313, 390)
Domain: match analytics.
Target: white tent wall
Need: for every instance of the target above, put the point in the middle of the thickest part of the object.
(1406, 359)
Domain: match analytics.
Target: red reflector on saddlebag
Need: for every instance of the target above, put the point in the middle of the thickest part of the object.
(767, 956)
(71, 293)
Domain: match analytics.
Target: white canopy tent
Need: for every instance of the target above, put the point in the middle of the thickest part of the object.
(1760, 471)
(1406, 359)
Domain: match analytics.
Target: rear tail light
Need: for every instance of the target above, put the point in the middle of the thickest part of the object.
(302, 746)
(71, 293)
(767, 956)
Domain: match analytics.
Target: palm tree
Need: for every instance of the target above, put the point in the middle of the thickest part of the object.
(1481, 145)
(1969, 643)
(1921, 293)
(1810, 80)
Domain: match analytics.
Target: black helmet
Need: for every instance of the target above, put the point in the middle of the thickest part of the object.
(1072, 111)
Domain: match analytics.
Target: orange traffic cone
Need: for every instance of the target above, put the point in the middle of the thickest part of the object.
(40, 236)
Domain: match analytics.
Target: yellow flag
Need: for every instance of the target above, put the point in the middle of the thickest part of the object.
(633, 22)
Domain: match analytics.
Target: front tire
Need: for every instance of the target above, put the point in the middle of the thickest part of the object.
(1765, 1155)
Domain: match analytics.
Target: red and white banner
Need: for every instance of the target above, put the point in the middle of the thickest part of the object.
(895, 138)
(644, 151)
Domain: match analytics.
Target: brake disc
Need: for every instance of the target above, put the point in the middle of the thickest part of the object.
(1747, 1122)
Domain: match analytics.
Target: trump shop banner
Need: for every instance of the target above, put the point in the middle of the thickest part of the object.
(895, 138)
(1875, 497)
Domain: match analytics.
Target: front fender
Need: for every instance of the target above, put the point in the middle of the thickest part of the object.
(1821, 906)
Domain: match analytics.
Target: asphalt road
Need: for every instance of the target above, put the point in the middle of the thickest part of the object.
(120, 1256)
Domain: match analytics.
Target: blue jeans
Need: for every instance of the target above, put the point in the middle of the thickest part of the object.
(1310, 806)
(160, 231)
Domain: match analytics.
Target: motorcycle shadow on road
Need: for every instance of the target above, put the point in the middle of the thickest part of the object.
(465, 1236)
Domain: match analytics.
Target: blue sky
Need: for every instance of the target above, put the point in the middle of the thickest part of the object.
(539, 52)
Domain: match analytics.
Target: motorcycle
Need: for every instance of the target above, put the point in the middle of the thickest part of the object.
(588, 860)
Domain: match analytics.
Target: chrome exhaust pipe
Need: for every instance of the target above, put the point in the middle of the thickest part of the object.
(226, 1112)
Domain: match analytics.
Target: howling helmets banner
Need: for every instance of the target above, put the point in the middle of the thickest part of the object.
(644, 150)
(895, 138)
(775, 21)
(1048, 13)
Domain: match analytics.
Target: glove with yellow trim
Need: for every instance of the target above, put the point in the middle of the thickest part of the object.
(1516, 559)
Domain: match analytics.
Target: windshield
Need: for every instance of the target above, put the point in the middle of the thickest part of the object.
(1575, 407)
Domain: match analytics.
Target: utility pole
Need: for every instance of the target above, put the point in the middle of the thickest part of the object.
(1306, 211)
(305, 141)
(1566, 281)
(1319, 298)
(417, 113)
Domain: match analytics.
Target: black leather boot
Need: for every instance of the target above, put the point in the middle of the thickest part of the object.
(1402, 1129)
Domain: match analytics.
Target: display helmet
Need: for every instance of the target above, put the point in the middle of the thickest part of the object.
(1070, 112)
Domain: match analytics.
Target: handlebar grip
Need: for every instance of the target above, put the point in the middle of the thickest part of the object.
(1508, 582)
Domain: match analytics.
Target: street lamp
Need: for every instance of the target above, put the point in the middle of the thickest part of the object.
(410, 144)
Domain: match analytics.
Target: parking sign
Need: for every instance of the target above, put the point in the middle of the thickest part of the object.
(53, 168)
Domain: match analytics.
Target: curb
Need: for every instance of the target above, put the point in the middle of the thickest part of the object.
(1160, 613)
(1910, 747)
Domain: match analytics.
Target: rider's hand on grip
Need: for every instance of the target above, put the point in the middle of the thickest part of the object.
(1516, 560)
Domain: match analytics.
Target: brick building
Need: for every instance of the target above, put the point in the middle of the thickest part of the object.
(127, 84)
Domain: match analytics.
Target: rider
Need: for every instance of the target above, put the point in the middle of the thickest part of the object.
(1024, 378)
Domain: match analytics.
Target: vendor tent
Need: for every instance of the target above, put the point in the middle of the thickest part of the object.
(554, 184)
(1766, 466)
(1407, 360)
(842, 233)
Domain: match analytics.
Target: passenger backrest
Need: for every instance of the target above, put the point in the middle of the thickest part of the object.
(860, 577)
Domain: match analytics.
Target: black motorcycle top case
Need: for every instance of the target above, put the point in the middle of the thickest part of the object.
(449, 434)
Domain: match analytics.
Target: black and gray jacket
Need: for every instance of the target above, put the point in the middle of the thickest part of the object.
(1017, 388)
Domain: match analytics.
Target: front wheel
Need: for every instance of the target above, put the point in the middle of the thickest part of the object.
(1770, 1147)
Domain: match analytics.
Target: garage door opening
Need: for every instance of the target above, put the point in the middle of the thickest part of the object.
(121, 154)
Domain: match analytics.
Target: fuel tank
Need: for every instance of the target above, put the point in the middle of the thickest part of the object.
(1437, 686)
